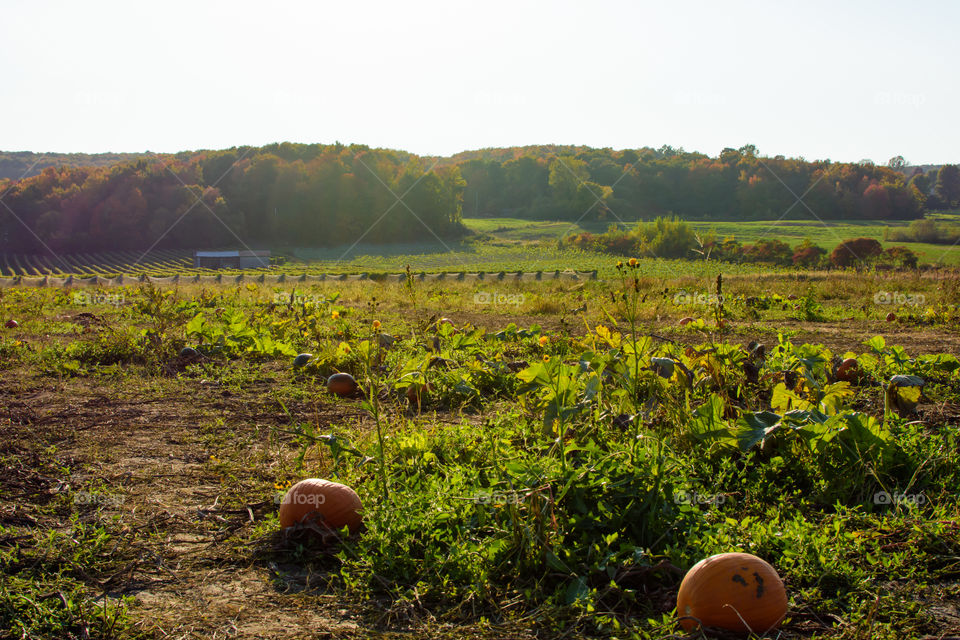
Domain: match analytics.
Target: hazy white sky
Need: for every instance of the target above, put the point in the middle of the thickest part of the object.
(839, 80)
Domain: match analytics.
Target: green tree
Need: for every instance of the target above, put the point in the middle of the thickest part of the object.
(948, 184)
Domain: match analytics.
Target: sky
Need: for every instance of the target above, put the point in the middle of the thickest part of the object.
(841, 80)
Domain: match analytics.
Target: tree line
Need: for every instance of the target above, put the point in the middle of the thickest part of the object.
(324, 195)
(287, 194)
(739, 184)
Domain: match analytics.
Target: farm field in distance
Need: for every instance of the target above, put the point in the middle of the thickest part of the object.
(534, 459)
(503, 244)
(827, 234)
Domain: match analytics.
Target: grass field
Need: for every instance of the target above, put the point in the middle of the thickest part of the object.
(826, 234)
(547, 464)
(501, 244)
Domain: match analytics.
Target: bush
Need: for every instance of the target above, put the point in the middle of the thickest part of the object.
(666, 238)
(662, 238)
(901, 257)
(808, 254)
(924, 231)
(857, 251)
(769, 252)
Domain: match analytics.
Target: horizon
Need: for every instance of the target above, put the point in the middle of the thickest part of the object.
(759, 152)
(845, 83)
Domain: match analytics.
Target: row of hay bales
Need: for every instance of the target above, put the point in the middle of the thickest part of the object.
(462, 276)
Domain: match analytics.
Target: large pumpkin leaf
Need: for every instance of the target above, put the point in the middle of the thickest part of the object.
(784, 399)
(754, 428)
(707, 422)
(833, 397)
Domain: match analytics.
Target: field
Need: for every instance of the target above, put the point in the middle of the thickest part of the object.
(499, 244)
(547, 464)
(826, 234)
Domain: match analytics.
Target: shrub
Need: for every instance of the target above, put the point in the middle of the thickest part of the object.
(666, 238)
(924, 231)
(901, 257)
(769, 251)
(857, 252)
(808, 254)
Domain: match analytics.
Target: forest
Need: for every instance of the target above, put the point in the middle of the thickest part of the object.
(324, 195)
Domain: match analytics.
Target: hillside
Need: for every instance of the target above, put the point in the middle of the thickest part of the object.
(15, 165)
(325, 195)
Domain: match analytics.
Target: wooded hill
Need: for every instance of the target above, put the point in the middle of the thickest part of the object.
(322, 195)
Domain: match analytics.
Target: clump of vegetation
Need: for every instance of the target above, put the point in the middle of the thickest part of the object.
(506, 472)
(924, 230)
(674, 238)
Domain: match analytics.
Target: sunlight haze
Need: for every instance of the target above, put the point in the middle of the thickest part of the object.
(845, 81)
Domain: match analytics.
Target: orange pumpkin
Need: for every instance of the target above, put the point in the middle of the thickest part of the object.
(417, 393)
(732, 591)
(326, 503)
(342, 384)
(849, 370)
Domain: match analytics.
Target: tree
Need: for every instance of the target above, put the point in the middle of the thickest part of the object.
(948, 184)
(922, 182)
(855, 252)
(897, 163)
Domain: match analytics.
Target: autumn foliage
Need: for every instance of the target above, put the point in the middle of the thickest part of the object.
(324, 195)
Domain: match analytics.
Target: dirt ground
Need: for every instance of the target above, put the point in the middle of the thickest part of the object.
(189, 577)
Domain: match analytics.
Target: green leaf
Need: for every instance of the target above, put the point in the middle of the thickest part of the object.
(663, 367)
(577, 590)
(834, 395)
(707, 419)
(197, 325)
(756, 427)
(535, 374)
(784, 399)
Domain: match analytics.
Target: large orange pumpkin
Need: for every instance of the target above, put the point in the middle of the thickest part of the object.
(849, 370)
(733, 591)
(342, 384)
(326, 503)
